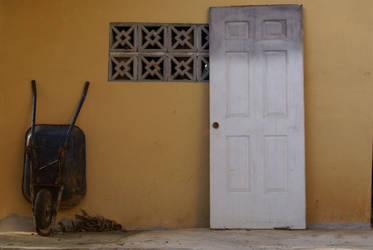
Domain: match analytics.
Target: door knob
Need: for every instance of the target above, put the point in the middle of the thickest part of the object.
(215, 125)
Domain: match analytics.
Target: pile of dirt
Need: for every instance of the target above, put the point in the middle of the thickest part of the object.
(86, 223)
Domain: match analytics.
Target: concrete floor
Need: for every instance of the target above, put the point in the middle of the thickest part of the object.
(195, 239)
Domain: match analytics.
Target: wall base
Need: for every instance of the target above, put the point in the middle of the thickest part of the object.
(354, 225)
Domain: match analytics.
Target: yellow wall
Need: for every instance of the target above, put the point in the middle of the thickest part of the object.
(148, 143)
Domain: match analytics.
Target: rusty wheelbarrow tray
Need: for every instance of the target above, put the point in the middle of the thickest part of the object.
(54, 167)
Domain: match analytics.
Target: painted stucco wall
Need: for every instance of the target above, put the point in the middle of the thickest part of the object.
(148, 143)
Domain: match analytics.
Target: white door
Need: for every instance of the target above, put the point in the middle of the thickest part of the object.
(257, 151)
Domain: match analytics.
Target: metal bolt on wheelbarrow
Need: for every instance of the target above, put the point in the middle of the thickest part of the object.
(54, 167)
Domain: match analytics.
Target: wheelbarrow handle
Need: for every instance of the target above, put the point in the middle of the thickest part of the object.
(86, 85)
(84, 94)
(33, 87)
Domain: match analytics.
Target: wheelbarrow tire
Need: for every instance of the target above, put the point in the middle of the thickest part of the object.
(43, 212)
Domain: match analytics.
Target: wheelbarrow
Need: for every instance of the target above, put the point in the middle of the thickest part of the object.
(54, 167)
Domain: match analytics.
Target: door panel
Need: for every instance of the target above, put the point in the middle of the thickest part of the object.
(257, 171)
(236, 67)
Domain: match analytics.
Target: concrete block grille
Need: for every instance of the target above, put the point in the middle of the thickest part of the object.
(152, 37)
(183, 37)
(203, 67)
(159, 52)
(182, 67)
(123, 37)
(123, 66)
(152, 67)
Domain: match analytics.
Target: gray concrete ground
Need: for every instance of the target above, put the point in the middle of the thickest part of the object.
(195, 239)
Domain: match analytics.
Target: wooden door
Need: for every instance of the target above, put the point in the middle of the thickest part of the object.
(257, 151)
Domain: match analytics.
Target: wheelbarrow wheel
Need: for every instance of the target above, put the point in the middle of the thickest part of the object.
(43, 212)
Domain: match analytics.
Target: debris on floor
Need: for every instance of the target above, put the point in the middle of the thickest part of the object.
(87, 223)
